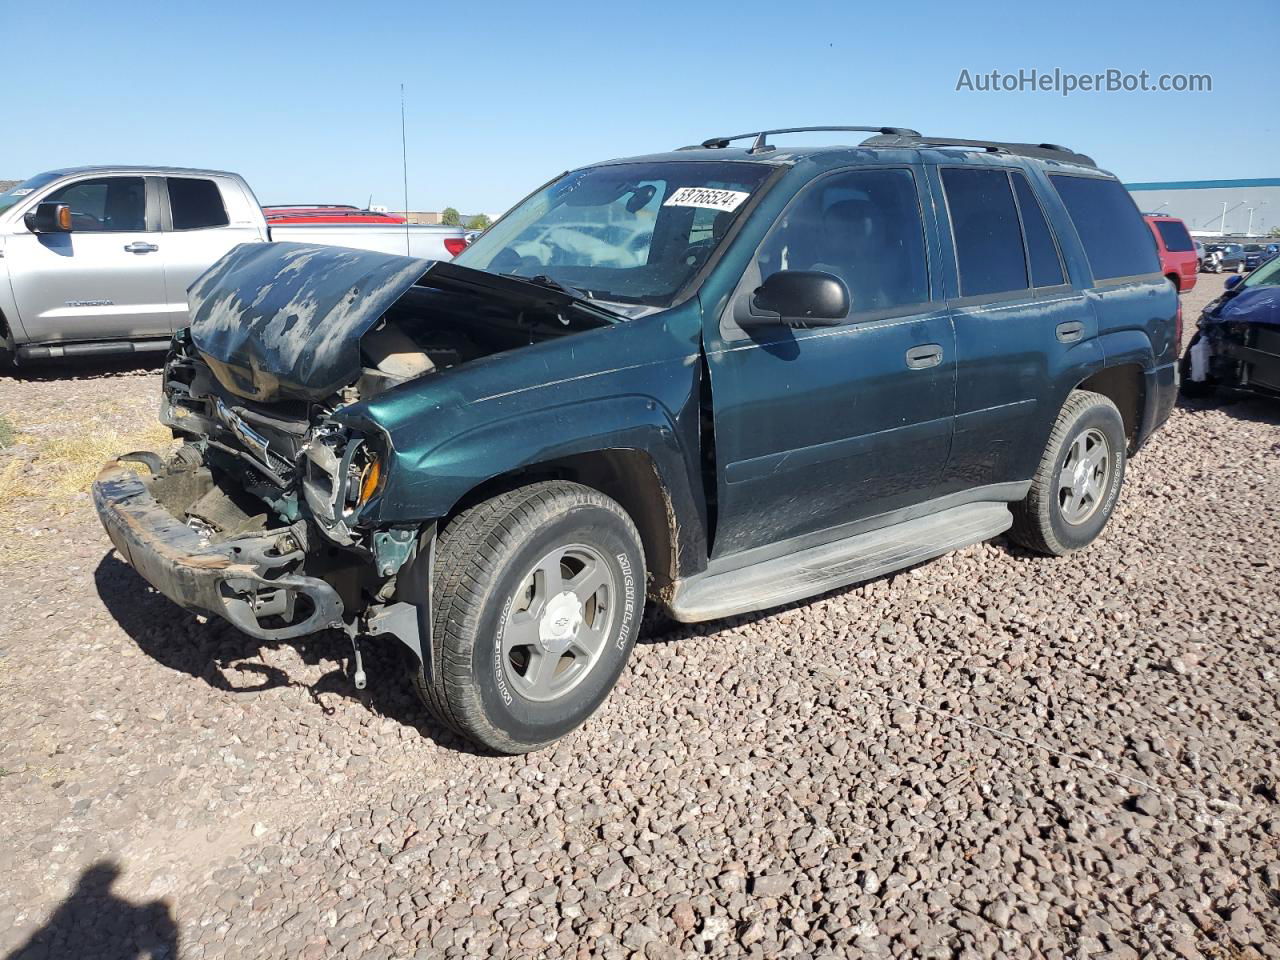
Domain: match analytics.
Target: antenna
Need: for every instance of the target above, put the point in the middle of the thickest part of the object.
(404, 161)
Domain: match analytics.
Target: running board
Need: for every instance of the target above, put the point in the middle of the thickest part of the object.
(815, 570)
(90, 348)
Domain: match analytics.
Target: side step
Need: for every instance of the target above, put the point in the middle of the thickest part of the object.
(90, 348)
(815, 570)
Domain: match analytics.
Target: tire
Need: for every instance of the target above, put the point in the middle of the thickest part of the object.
(1056, 518)
(497, 565)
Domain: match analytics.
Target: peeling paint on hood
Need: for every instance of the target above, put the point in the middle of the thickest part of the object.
(285, 319)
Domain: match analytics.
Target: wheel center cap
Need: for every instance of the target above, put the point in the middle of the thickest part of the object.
(561, 620)
(1080, 479)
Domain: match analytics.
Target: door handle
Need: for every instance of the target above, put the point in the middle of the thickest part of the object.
(139, 247)
(1071, 331)
(923, 356)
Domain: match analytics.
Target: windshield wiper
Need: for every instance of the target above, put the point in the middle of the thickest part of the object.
(543, 280)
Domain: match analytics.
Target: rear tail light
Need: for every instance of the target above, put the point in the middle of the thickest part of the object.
(455, 245)
(1177, 327)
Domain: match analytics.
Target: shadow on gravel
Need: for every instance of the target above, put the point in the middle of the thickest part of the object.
(217, 653)
(94, 922)
(87, 368)
(1239, 405)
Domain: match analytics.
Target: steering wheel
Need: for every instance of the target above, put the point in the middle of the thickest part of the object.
(697, 252)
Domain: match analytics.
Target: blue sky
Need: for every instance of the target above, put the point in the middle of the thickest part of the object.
(303, 99)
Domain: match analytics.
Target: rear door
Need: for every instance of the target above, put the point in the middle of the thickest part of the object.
(822, 430)
(198, 230)
(1019, 327)
(102, 281)
(1135, 306)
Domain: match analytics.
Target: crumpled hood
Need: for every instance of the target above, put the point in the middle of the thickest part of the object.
(285, 319)
(1251, 305)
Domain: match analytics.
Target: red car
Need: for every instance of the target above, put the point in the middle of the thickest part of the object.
(325, 213)
(1178, 259)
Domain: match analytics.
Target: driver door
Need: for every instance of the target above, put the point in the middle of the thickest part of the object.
(822, 432)
(102, 281)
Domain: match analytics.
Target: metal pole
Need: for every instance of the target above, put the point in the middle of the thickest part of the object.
(1222, 227)
(404, 162)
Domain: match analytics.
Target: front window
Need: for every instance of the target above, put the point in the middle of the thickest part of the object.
(105, 205)
(15, 195)
(627, 233)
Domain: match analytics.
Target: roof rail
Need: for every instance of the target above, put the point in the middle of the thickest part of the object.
(761, 136)
(1042, 151)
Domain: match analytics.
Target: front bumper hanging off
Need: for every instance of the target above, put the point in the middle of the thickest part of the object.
(246, 580)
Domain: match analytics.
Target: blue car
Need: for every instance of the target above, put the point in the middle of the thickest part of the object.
(1237, 346)
(1255, 254)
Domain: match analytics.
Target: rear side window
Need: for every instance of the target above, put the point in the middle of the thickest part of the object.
(984, 222)
(196, 204)
(1046, 267)
(1175, 236)
(1115, 238)
(863, 227)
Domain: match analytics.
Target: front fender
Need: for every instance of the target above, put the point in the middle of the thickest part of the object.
(426, 484)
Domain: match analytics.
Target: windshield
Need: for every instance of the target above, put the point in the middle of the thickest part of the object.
(1267, 275)
(17, 194)
(627, 233)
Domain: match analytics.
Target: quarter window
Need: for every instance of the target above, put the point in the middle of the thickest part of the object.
(105, 205)
(1046, 267)
(863, 227)
(1115, 238)
(195, 204)
(984, 223)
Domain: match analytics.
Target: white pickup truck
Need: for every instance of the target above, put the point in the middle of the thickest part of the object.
(97, 260)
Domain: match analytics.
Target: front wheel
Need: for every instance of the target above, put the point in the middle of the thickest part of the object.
(1076, 486)
(537, 601)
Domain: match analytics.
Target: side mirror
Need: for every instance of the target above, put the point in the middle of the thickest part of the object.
(803, 298)
(49, 217)
(1233, 281)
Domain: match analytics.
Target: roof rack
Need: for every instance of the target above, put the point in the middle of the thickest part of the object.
(1042, 151)
(310, 206)
(761, 144)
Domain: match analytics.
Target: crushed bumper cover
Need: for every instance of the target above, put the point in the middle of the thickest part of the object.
(245, 580)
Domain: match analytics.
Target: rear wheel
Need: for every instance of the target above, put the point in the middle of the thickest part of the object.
(1078, 481)
(537, 601)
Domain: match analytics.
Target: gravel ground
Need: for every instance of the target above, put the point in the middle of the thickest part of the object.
(990, 754)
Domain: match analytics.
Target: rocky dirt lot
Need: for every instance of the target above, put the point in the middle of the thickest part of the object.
(991, 754)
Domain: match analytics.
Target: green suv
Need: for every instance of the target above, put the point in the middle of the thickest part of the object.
(719, 379)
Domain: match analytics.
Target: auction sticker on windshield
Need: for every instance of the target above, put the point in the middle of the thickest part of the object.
(709, 197)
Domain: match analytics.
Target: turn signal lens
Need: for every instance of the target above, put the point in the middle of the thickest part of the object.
(369, 480)
(64, 218)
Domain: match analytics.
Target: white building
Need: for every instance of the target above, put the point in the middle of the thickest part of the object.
(1214, 207)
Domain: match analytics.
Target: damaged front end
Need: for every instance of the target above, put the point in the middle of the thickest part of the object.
(1237, 345)
(259, 516)
(268, 514)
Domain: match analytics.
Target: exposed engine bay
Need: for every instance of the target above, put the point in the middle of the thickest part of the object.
(286, 455)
